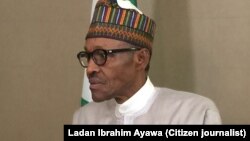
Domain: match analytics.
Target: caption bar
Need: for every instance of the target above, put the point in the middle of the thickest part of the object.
(78, 132)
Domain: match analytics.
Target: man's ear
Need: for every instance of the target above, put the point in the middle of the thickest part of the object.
(142, 58)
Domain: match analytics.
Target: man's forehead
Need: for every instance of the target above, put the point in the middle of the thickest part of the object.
(103, 43)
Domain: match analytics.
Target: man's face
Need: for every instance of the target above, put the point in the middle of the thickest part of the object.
(117, 78)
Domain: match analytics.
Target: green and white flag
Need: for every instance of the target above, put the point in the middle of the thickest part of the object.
(134, 2)
(86, 94)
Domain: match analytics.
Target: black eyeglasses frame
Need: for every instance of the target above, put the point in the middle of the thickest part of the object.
(89, 55)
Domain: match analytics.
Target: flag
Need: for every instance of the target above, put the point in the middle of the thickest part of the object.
(86, 94)
(134, 2)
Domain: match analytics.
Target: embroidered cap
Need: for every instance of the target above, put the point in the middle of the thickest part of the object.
(112, 21)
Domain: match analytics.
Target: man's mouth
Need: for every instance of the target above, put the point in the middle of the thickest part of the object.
(95, 83)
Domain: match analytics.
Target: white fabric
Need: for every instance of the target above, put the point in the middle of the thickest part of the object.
(161, 106)
(135, 106)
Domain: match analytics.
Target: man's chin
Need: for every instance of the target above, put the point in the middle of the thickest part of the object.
(96, 96)
(98, 99)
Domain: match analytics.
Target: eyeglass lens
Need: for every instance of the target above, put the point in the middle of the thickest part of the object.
(99, 56)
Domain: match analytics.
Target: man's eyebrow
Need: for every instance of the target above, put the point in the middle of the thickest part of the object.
(85, 48)
(96, 47)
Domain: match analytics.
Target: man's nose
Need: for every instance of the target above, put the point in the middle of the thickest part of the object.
(92, 67)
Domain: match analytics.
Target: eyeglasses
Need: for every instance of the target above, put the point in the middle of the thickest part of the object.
(99, 56)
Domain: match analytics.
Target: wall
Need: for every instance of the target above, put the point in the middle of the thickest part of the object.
(203, 47)
(41, 79)
(200, 46)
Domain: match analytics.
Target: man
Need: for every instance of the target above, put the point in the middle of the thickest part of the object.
(117, 55)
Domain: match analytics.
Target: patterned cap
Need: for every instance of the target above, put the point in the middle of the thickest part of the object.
(112, 21)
